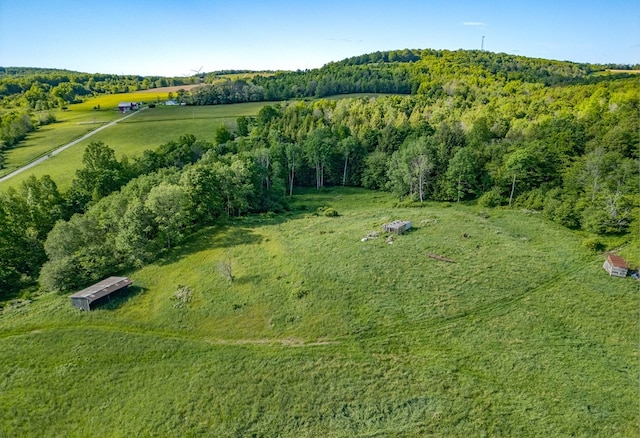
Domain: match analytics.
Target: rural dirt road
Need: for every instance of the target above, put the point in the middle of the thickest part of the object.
(66, 146)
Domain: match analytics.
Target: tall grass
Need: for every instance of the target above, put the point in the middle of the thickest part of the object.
(321, 334)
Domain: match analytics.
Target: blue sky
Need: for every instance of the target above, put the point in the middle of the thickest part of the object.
(172, 38)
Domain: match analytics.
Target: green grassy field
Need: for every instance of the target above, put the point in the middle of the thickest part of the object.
(73, 123)
(156, 126)
(146, 130)
(130, 137)
(109, 102)
(70, 125)
(321, 334)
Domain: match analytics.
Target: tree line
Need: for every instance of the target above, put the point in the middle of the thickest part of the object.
(122, 213)
(567, 150)
(41, 89)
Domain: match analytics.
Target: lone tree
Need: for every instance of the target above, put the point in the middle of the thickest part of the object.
(224, 268)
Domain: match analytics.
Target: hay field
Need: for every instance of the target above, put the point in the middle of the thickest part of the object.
(321, 334)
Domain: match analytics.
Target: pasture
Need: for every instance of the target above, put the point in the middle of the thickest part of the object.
(108, 102)
(74, 122)
(146, 130)
(321, 334)
(70, 125)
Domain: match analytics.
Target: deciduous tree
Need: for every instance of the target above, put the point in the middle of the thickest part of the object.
(461, 175)
(411, 166)
(318, 147)
(169, 204)
(101, 175)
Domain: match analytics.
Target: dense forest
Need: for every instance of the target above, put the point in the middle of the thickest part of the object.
(552, 137)
(29, 95)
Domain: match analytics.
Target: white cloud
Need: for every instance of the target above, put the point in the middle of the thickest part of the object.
(473, 23)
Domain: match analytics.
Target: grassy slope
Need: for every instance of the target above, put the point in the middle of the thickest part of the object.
(130, 137)
(324, 335)
(80, 119)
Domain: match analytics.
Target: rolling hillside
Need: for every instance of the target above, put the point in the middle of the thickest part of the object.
(266, 299)
(321, 334)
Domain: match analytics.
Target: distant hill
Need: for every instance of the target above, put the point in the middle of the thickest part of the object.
(32, 71)
(396, 71)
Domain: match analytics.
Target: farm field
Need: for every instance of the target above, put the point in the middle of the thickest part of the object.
(73, 123)
(322, 334)
(146, 130)
(70, 125)
(156, 126)
(107, 102)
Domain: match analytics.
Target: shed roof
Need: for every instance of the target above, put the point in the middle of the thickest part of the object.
(617, 261)
(397, 224)
(103, 288)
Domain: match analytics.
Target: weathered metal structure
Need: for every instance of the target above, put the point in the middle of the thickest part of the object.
(615, 266)
(396, 227)
(84, 298)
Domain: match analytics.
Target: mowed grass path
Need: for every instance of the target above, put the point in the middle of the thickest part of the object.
(70, 125)
(73, 123)
(322, 334)
(146, 130)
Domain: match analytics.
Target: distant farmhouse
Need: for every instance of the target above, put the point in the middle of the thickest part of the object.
(86, 297)
(125, 107)
(615, 266)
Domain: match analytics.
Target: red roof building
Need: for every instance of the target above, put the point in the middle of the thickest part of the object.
(615, 266)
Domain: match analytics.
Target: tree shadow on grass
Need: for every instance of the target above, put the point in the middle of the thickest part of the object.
(231, 235)
(221, 236)
(117, 299)
(232, 232)
(247, 279)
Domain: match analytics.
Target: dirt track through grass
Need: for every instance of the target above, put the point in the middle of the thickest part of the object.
(324, 335)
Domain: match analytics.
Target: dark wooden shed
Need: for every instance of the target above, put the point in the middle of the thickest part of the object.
(84, 298)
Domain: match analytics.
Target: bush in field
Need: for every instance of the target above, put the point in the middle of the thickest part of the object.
(593, 244)
(326, 211)
(491, 199)
(182, 297)
(225, 269)
(331, 212)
